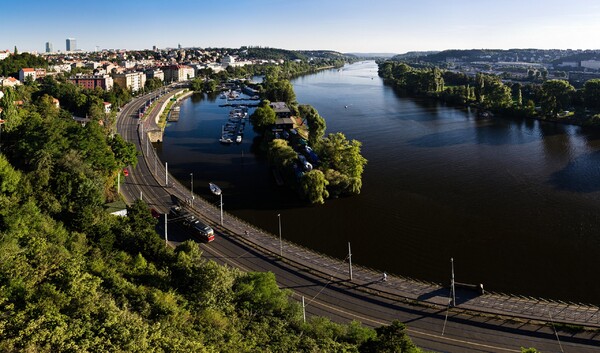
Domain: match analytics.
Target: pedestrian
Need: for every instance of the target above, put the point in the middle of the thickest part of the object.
(246, 232)
(384, 277)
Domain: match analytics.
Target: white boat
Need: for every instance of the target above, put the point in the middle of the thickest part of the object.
(226, 140)
(238, 139)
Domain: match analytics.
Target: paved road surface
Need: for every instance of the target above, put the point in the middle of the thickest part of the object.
(327, 291)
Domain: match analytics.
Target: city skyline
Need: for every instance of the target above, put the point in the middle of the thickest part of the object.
(345, 26)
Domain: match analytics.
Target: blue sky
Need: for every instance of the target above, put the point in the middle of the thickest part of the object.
(394, 26)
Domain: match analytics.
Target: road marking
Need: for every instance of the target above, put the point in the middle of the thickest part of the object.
(415, 332)
(380, 323)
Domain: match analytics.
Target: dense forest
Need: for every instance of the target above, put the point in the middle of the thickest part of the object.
(74, 278)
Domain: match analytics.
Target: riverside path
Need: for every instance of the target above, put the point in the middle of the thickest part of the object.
(477, 323)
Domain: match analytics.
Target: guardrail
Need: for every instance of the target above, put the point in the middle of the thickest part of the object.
(397, 287)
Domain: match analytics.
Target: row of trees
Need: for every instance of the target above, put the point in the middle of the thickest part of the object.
(547, 100)
(74, 278)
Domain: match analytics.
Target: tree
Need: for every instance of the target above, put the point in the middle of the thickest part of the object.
(336, 152)
(390, 339)
(498, 95)
(281, 154)
(263, 118)
(197, 84)
(556, 96)
(210, 86)
(591, 94)
(258, 293)
(316, 123)
(479, 88)
(279, 91)
(125, 152)
(9, 177)
(313, 185)
(153, 84)
(9, 111)
(519, 95)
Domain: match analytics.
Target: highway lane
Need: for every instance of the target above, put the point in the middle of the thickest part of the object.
(340, 301)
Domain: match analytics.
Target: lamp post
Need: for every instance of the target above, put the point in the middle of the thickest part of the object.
(452, 289)
(192, 188)
(280, 242)
(217, 191)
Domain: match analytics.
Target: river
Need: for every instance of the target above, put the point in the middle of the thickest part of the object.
(514, 202)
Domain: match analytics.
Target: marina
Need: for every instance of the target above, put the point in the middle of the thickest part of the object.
(233, 130)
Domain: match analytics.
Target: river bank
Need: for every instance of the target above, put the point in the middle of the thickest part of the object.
(441, 183)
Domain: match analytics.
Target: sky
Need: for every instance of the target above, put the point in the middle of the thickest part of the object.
(374, 26)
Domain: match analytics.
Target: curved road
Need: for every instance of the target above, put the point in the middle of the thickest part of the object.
(431, 328)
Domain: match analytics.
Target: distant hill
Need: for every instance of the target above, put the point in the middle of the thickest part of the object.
(372, 55)
(277, 54)
(497, 55)
(413, 54)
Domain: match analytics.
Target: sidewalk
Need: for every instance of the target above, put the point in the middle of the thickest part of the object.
(396, 287)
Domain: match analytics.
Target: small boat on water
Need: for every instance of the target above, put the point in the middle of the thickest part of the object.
(226, 140)
(238, 139)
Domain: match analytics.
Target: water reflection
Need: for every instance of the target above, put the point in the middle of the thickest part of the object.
(495, 194)
(581, 174)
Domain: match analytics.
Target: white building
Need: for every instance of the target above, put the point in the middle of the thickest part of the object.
(61, 68)
(157, 73)
(26, 72)
(590, 64)
(134, 81)
(4, 54)
(9, 82)
(176, 73)
(229, 60)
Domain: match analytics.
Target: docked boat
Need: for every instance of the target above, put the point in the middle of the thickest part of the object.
(226, 140)
(238, 139)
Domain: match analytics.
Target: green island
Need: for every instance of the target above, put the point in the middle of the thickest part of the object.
(551, 100)
(315, 165)
(74, 278)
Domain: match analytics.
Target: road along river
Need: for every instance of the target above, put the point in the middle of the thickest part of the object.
(516, 203)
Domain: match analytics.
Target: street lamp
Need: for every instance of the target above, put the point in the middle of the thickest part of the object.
(192, 188)
(217, 191)
(280, 242)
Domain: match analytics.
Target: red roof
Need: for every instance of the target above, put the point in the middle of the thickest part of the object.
(28, 69)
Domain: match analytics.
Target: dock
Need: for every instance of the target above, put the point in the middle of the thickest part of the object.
(238, 105)
(174, 114)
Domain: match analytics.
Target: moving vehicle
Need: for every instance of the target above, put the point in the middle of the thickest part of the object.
(205, 232)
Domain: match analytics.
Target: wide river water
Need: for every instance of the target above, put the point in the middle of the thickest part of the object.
(515, 202)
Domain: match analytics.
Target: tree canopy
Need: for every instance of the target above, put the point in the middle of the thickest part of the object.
(75, 278)
(316, 123)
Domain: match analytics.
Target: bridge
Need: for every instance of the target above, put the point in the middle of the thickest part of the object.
(489, 322)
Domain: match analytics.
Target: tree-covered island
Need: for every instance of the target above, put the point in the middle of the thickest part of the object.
(318, 166)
